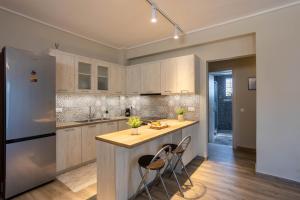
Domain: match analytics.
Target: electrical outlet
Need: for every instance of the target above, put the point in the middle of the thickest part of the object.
(59, 110)
(191, 109)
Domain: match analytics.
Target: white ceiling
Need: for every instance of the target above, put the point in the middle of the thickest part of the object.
(126, 23)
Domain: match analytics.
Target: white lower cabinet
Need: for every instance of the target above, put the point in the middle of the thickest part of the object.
(88, 143)
(68, 148)
(89, 134)
(122, 125)
(75, 146)
(193, 148)
(109, 127)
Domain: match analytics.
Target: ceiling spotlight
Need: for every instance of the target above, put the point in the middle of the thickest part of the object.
(176, 33)
(154, 15)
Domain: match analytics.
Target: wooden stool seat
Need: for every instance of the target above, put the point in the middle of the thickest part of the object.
(174, 147)
(145, 162)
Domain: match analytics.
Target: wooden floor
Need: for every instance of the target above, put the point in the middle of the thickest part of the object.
(225, 175)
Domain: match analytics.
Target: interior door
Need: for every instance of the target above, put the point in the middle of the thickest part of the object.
(30, 94)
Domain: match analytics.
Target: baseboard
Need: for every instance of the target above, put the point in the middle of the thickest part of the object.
(245, 149)
(271, 177)
(202, 157)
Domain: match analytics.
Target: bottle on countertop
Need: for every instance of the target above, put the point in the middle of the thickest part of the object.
(127, 112)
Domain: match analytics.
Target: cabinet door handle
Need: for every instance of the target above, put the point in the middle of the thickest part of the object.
(62, 90)
(68, 130)
(167, 91)
(184, 91)
(92, 126)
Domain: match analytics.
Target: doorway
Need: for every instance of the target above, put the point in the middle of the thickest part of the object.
(220, 107)
(232, 106)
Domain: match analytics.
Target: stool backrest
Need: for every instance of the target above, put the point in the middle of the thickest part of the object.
(162, 154)
(183, 144)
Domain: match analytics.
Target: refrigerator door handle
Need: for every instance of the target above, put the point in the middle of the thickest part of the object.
(29, 138)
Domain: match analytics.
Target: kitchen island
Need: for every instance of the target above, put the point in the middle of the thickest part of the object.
(118, 152)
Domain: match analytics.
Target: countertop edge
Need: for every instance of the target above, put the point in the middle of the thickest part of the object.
(147, 140)
(78, 124)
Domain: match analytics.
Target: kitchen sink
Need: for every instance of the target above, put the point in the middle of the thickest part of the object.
(92, 120)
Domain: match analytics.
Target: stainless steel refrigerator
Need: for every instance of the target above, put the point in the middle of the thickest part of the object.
(28, 122)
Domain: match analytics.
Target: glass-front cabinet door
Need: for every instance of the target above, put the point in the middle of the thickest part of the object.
(102, 72)
(84, 74)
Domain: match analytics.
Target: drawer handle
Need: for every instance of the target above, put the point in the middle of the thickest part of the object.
(92, 126)
(167, 91)
(184, 91)
(62, 90)
(70, 129)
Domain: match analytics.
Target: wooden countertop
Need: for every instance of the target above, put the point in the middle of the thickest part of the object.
(63, 125)
(126, 139)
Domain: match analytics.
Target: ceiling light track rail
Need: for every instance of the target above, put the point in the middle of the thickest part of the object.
(152, 4)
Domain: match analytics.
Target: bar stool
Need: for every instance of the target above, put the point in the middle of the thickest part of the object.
(153, 163)
(177, 152)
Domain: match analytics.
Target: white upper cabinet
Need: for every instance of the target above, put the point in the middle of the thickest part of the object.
(187, 75)
(150, 78)
(84, 74)
(117, 79)
(102, 72)
(133, 79)
(169, 76)
(65, 71)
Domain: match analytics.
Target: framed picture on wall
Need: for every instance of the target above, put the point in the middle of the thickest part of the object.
(252, 83)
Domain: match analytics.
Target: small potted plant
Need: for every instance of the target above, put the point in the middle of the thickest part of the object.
(180, 112)
(134, 123)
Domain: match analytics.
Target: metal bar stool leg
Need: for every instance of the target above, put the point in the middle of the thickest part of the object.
(178, 184)
(187, 174)
(163, 183)
(174, 167)
(175, 176)
(168, 166)
(143, 182)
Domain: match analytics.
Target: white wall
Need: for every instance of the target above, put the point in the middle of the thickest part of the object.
(278, 95)
(22, 33)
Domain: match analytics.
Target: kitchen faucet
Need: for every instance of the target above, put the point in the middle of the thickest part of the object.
(91, 115)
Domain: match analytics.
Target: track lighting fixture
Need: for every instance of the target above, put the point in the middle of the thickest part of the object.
(154, 15)
(154, 8)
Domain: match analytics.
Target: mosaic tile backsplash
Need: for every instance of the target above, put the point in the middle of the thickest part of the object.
(73, 107)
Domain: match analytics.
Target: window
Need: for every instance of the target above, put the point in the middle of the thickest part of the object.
(228, 86)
